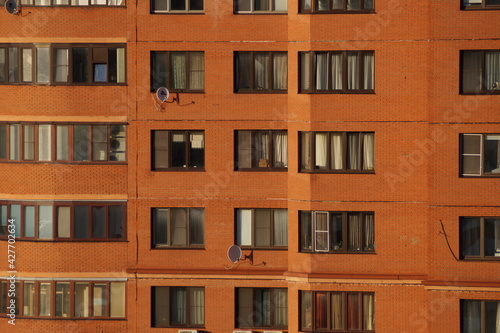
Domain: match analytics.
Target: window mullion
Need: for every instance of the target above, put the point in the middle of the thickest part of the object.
(188, 149)
(482, 155)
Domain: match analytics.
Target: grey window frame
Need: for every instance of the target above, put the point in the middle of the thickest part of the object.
(169, 226)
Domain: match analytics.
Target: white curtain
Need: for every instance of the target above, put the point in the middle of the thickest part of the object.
(280, 5)
(336, 151)
(280, 227)
(321, 150)
(244, 227)
(280, 307)
(29, 142)
(61, 65)
(369, 231)
(305, 71)
(321, 231)
(352, 152)
(368, 151)
(42, 2)
(368, 73)
(178, 61)
(14, 142)
(492, 71)
(305, 150)
(281, 149)
(472, 316)
(368, 313)
(178, 308)
(321, 71)
(261, 71)
(354, 239)
(197, 311)
(280, 71)
(196, 71)
(352, 72)
(337, 71)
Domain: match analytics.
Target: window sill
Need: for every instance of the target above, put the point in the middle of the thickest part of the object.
(481, 259)
(249, 248)
(160, 247)
(364, 172)
(331, 92)
(340, 11)
(339, 252)
(186, 12)
(262, 170)
(3, 315)
(283, 92)
(479, 7)
(64, 240)
(201, 169)
(492, 175)
(65, 162)
(260, 13)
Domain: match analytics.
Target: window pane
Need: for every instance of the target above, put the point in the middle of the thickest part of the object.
(305, 68)
(368, 70)
(368, 151)
(3, 296)
(471, 316)
(81, 143)
(368, 312)
(352, 68)
(261, 5)
(336, 151)
(161, 139)
(179, 307)
(160, 221)
(178, 227)
(29, 299)
(62, 139)
(3, 222)
(115, 222)
(2, 64)
(470, 236)
(280, 5)
(261, 149)
(306, 4)
(80, 64)
(492, 237)
(306, 310)
(244, 227)
(98, 222)
(280, 227)
(196, 228)
(305, 147)
(27, 65)
(321, 150)
(29, 221)
(61, 65)
(336, 231)
(118, 143)
(321, 306)
(45, 222)
(492, 315)
(369, 231)
(492, 70)
(243, 5)
(99, 303)
(321, 231)
(354, 232)
(471, 71)
(28, 142)
(280, 307)
(14, 142)
(321, 71)
(112, 65)
(63, 222)
(161, 306)
(62, 299)
(353, 4)
(178, 66)
(262, 220)
(336, 71)
(197, 306)
(117, 299)
(13, 64)
(159, 70)
(120, 65)
(81, 221)
(322, 5)
(280, 71)
(245, 307)
(280, 149)
(368, 4)
(262, 305)
(195, 4)
(336, 310)
(196, 68)
(99, 143)
(81, 299)
(492, 153)
(45, 299)
(353, 151)
(244, 149)
(197, 149)
(353, 311)
(305, 231)
(44, 142)
(15, 214)
(100, 72)
(3, 141)
(261, 71)
(243, 71)
(179, 149)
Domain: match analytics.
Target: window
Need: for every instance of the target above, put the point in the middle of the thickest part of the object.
(62, 64)
(178, 227)
(337, 151)
(72, 2)
(480, 71)
(337, 72)
(261, 308)
(178, 71)
(480, 155)
(91, 300)
(480, 238)
(261, 150)
(262, 228)
(257, 72)
(65, 221)
(260, 6)
(178, 306)
(337, 232)
(176, 6)
(480, 4)
(328, 311)
(178, 150)
(478, 316)
(63, 143)
(336, 6)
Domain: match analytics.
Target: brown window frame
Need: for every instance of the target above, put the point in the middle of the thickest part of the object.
(170, 11)
(111, 140)
(252, 10)
(270, 75)
(308, 235)
(157, 83)
(482, 75)
(482, 154)
(313, 89)
(239, 323)
(91, 60)
(256, 163)
(308, 167)
(55, 223)
(311, 326)
(478, 6)
(188, 245)
(19, 304)
(344, 10)
(481, 239)
(168, 159)
(253, 245)
(168, 290)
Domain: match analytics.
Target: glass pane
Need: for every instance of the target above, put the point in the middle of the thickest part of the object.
(178, 5)
(178, 227)
(45, 222)
(112, 65)
(305, 150)
(27, 65)
(472, 144)
(98, 222)
(353, 4)
(29, 221)
(159, 5)
(14, 142)
(116, 222)
(196, 70)
(118, 143)
(2, 64)
(120, 65)
(368, 151)
(492, 153)
(492, 321)
(305, 70)
(28, 142)
(321, 231)
(471, 165)
(336, 310)
(195, 4)
(29, 299)
(243, 71)
(321, 71)
(337, 4)
(178, 68)
(368, 312)
(471, 71)
(280, 227)
(470, 237)
(197, 150)
(3, 141)
(244, 227)
(280, 145)
(81, 299)
(61, 65)
(280, 71)
(306, 4)
(352, 69)
(336, 63)
(99, 302)
(306, 309)
(336, 151)
(368, 71)
(280, 5)
(262, 305)
(100, 72)
(44, 142)
(321, 151)
(321, 306)
(62, 139)
(178, 306)
(179, 149)
(159, 70)
(243, 5)
(45, 299)
(13, 64)
(322, 5)
(492, 70)
(336, 231)
(117, 299)
(471, 316)
(99, 143)
(305, 231)
(81, 221)
(261, 5)
(197, 306)
(261, 71)
(63, 222)
(160, 148)
(280, 309)
(368, 4)
(81, 143)
(262, 220)
(244, 149)
(62, 299)
(196, 226)
(354, 232)
(160, 221)
(80, 65)
(353, 311)
(15, 214)
(3, 222)
(492, 237)
(353, 151)
(245, 309)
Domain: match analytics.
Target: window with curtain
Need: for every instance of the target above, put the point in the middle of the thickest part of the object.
(178, 150)
(337, 151)
(167, 6)
(178, 71)
(257, 72)
(262, 308)
(480, 4)
(480, 238)
(480, 71)
(178, 227)
(330, 311)
(337, 232)
(73, 2)
(336, 6)
(260, 6)
(261, 150)
(480, 316)
(178, 306)
(337, 72)
(262, 228)
(480, 155)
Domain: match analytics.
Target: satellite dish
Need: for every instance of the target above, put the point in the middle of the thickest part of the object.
(162, 94)
(234, 253)
(12, 7)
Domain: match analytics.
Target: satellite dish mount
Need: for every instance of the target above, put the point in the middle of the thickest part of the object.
(12, 7)
(234, 254)
(162, 95)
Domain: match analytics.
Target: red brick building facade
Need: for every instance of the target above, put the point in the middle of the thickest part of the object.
(352, 149)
